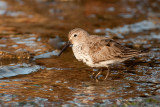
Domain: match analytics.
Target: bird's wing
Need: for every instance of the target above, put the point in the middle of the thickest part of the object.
(103, 48)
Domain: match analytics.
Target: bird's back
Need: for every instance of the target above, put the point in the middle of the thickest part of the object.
(105, 49)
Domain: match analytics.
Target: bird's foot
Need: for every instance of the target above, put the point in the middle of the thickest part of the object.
(98, 75)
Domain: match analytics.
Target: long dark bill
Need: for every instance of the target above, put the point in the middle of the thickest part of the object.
(67, 45)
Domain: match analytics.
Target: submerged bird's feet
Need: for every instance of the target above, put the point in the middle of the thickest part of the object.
(96, 77)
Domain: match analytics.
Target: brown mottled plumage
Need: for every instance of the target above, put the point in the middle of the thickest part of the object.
(98, 51)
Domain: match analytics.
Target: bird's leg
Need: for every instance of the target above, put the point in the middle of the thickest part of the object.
(94, 72)
(99, 73)
(107, 73)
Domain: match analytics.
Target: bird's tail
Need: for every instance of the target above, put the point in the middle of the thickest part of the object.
(134, 53)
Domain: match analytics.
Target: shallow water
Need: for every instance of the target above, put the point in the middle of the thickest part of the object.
(32, 33)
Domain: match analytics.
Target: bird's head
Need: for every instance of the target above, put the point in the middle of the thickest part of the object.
(75, 36)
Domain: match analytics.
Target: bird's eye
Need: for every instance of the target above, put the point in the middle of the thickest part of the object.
(75, 35)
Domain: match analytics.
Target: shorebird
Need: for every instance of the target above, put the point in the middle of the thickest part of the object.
(98, 51)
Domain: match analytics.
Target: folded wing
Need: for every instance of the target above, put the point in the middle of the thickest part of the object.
(107, 49)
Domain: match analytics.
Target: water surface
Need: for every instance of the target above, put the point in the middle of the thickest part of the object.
(32, 33)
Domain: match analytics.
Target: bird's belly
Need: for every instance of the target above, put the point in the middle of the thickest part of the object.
(105, 63)
(102, 64)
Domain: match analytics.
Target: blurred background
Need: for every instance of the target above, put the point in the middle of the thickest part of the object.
(32, 32)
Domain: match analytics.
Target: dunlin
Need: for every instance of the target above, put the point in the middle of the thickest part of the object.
(97, 51)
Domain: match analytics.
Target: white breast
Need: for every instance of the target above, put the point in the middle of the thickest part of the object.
(81, 54)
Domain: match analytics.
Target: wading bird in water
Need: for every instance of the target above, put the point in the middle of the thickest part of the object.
(97, 51)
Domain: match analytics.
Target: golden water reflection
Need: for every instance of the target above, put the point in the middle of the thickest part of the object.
(27, 26)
